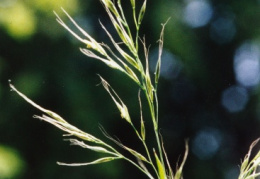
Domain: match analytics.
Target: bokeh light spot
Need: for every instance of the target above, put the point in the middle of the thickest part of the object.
(206, 143)
(11, 164)
(234, 98)
(197, 13)
(170, 65)
(232, 172)
(246, 64)
(222, 30)
(47, 6)
(18, 20)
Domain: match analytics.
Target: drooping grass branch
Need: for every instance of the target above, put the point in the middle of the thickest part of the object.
(96, 144)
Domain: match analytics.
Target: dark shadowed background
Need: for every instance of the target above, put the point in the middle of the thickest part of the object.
(208, 93)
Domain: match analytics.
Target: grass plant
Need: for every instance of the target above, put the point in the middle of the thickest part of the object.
(124, 56)
(250, 168)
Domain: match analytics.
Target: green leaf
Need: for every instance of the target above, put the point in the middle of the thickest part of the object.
(131, 60)
(158, 70)
(110, 5)
(50, 113)
(133, 3)
(179, 171)
(136, 154)
(98, 161)
(142, 12)
(141, 116)
(161, 169)
(248, 169)
(127, 57)
(142, 129)
(158, 65)
(119, 103)
(149, 85)
(86, 146)
(132, 74)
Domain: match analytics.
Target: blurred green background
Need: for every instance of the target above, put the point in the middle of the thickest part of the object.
(209, 89)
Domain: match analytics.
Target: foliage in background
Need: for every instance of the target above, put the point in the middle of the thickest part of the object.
(11, 163)
(18, 17)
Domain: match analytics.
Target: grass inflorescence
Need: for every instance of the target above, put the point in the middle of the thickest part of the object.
(124, 57)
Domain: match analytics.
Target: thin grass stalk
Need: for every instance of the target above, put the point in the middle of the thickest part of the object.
(155, 124)
(119, 21)
(126, 158)
(143, 135)
(147, 95)
(140, 168)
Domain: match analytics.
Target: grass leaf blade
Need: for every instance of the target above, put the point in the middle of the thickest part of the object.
(158, 65)
(142, 12)
(98, 161)
(50, 113)
(161, 169)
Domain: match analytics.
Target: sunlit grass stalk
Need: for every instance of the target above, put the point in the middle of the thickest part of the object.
(146, 80)
(102, 147)
(248, 169)
(129, 63)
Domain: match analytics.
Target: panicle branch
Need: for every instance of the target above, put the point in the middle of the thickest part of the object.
(129, 63)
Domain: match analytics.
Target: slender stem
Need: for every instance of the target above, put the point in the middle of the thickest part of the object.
(151, 107)
(136, 38)
(140, 168)
(157, 105)
(127, 159)
(146, 149)
(134, 16)
(137, 26)
(149, 158)
(136, 131)
(155, 123)
(113, 149)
